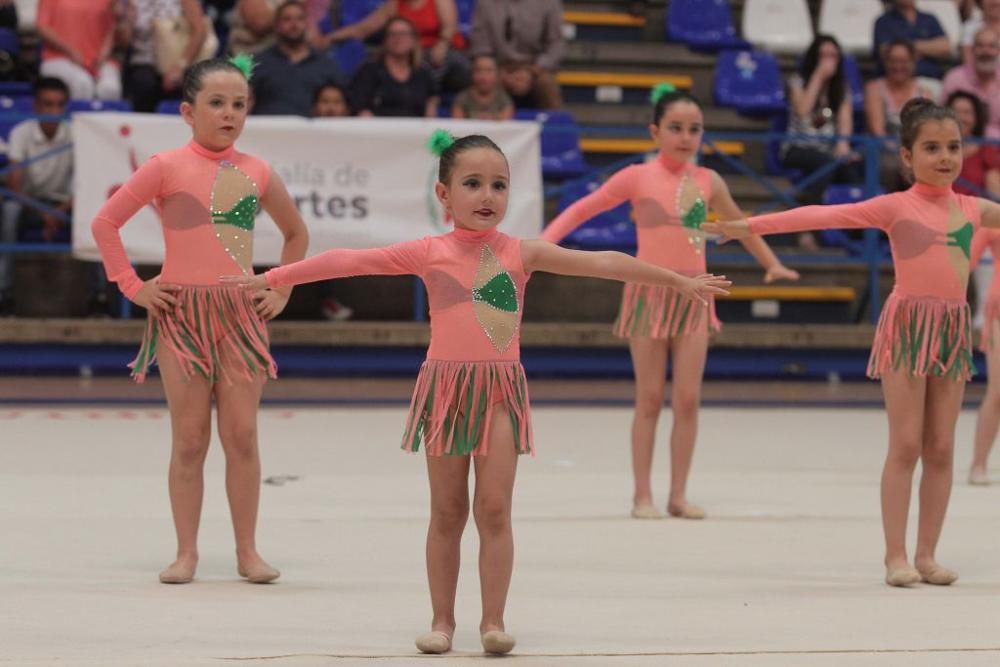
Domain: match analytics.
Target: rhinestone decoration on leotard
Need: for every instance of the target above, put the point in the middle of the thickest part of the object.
(234, 207)
(494, 300)
(692, 211)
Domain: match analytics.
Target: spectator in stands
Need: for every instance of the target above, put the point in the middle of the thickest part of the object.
(525, 36)
(436, 22)
(968, 9)
(289, 73)
(254, 22)
(397, 83)
(903, 21)
(980, 175)
(981, 77)
(253, 26)
(486, 99)
(885, 96)
(8, 14)
(144, 85)
(330, 101)
(77, 39)
(48, 181)
(821, 118)
(989, 17)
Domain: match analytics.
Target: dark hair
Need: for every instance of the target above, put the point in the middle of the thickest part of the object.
(668, 100)
(979, 127)
(836, 87)
(905, 43)
(51, 83)
(197, 72)
(289, 3)
(332, 86)
(915, 113)
(416, 54)
(462, 144)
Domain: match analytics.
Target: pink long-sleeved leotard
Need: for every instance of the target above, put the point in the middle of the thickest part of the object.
(207, 202)
(669, 203)
(475, 285)
(925, 325)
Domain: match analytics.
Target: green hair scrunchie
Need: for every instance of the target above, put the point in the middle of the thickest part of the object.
(659, 90)
(440, 141)
(245, 63)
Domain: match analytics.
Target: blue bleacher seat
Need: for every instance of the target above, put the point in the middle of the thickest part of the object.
(99, 105)
(703, 24)
(16, 88)
(854, 80)
(839, 238)
(349, 56)
(9, 42)
(169, 107)
(466, 8)
(12, 112)
(561, 154)
(750, 82)
(772, 155)
(609, 230)
(352, 11)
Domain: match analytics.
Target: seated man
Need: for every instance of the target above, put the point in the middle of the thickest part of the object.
(525, 37)
(48, 181)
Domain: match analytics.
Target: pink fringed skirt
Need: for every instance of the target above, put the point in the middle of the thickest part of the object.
(214, 332)
(650, 311)
(455, 402)
(923, 336)
(991, 325)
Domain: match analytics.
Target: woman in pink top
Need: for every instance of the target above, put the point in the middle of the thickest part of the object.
(670, 199)
(77, 39)
(922, 350)
(471, 396)
(988, 422)
(207, 339)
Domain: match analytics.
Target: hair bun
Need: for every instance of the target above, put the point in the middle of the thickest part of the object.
(440, 141)
(913, 107)
(245, 63)
(659, 90)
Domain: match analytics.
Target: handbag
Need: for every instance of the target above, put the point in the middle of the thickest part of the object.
(171, 37)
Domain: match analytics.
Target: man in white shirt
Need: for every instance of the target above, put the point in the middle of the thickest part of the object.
(46, 178)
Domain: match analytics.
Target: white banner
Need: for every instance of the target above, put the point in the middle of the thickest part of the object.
(358, 182)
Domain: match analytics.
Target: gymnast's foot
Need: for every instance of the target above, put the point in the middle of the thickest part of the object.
(181, 571)
(932, 573)
(685, 510)
(255, 569)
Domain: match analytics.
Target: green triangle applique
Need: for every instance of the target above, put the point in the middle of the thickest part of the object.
(498, 292)
(962, 238)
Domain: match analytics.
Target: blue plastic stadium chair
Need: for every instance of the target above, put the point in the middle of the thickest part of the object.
(169, 107)
(609, 230)
(839, 238)
(853, 76)
(12, 112)
(466, 8)
(9, 42)
(750, 82)
(561, 154)
(352, 11)
(99, 105)
(703, 24)
(349, 56)
(16, 88)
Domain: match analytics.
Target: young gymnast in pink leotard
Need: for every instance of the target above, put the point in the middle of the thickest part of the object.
(988, 422)
(922, 350)
(670, 199)
(471, 397)
(207, 339)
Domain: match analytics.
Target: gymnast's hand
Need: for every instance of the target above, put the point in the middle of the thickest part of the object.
(728, 230)
(156, 296)
(270, 302)
(699, 288)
